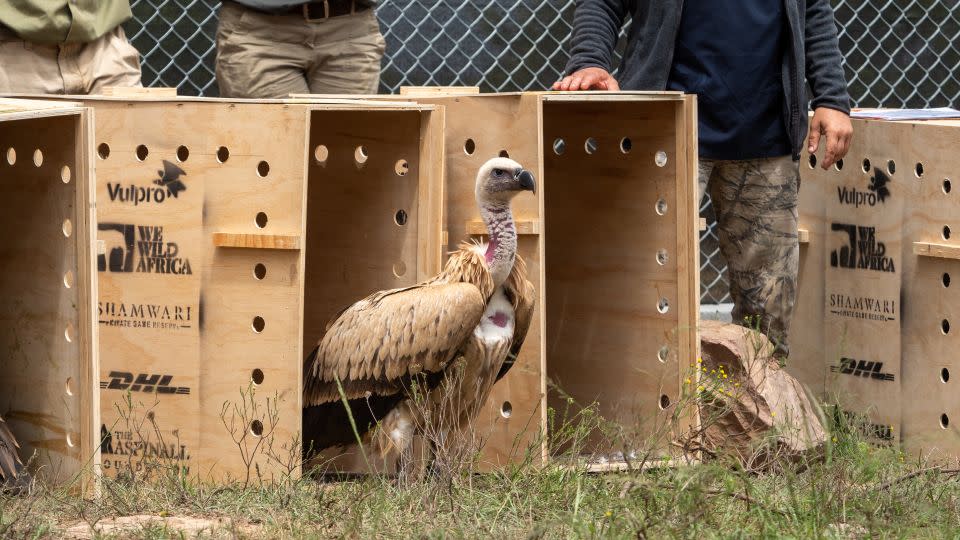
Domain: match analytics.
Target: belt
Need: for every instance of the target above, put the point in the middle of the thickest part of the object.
(319, 11)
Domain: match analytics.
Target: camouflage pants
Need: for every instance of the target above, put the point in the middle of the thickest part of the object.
(756, 206)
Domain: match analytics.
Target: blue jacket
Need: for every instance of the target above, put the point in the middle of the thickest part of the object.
(812, 53)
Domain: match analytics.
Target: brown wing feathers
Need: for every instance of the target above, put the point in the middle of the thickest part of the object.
(9, 457)
(390, 335)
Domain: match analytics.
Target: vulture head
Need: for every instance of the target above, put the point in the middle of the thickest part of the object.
(500, 179)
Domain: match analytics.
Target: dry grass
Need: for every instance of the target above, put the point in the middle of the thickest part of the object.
(851, 489)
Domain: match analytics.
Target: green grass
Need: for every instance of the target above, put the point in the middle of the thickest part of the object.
(851, 490)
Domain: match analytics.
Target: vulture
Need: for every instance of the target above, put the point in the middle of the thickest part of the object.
(12, 473)
(436, 346)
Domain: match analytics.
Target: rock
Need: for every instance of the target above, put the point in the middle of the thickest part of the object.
(750, 408)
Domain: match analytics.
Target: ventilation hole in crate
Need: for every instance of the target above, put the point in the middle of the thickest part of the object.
(261, 220)
(142, 152)
(944, 421)
(469, 147)
(400, 218)
(65, 174)
(812, 161)
(37, 157)
(918, 170)
(944, 375)
(68, 279)
(626, 145)
(11, 156)
(661, 207)
(506, 409)
(263, 169)
(257, 376)
(67, 228)
(401, 167)
(183, 153)
(256, 428)
(591, 146)
(399, 269)
(103, 150)
(892, 167)
(662, 257)
(223, 154)
(945, 279)
(559, 146)
(945, 326)
(360, 155)
(664, 402)
(660, 158)
(70, 442)
(321, 154)
(260, 271)
(838, 165)
(946, 185)
(68, 333)
(946, 232)
(68, 386)
(258, 324)
(663, 353)
(504, 154)
(663, 305)
(866, 165)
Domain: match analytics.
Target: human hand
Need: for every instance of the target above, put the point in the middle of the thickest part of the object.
(838, 130)
(591, 78)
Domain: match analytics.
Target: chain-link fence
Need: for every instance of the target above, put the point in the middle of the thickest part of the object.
(897, 53)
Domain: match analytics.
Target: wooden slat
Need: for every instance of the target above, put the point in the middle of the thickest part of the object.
(524, 226)
(939, 251)
(435, 91)
(134, 92)
(257, 241)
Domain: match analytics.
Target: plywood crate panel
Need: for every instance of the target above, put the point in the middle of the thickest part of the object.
(48, 391)
(617, 282)
(885, 336)
(230, 234)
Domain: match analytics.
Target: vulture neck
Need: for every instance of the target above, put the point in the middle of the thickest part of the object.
(502, 249)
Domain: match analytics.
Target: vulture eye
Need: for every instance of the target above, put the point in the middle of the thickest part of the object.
(498, 172)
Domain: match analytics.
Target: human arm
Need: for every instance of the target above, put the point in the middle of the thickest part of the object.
(596, 27)
(831, 102)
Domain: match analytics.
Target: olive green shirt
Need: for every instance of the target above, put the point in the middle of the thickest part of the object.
(58, 21)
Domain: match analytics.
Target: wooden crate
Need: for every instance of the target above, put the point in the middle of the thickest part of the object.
(48, 391)
(230, 233)
(601, 256)
(874, 328)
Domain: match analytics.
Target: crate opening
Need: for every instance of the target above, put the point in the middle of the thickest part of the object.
(611, 273)
(44, 324)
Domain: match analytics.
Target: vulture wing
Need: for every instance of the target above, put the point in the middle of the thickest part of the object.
(523, 297)
(9, 458)
(377, 344)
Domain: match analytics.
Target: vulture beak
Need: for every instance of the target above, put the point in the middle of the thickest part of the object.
(527, 183)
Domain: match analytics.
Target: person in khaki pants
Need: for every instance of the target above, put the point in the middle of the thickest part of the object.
(65, 47)
(274, 48)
